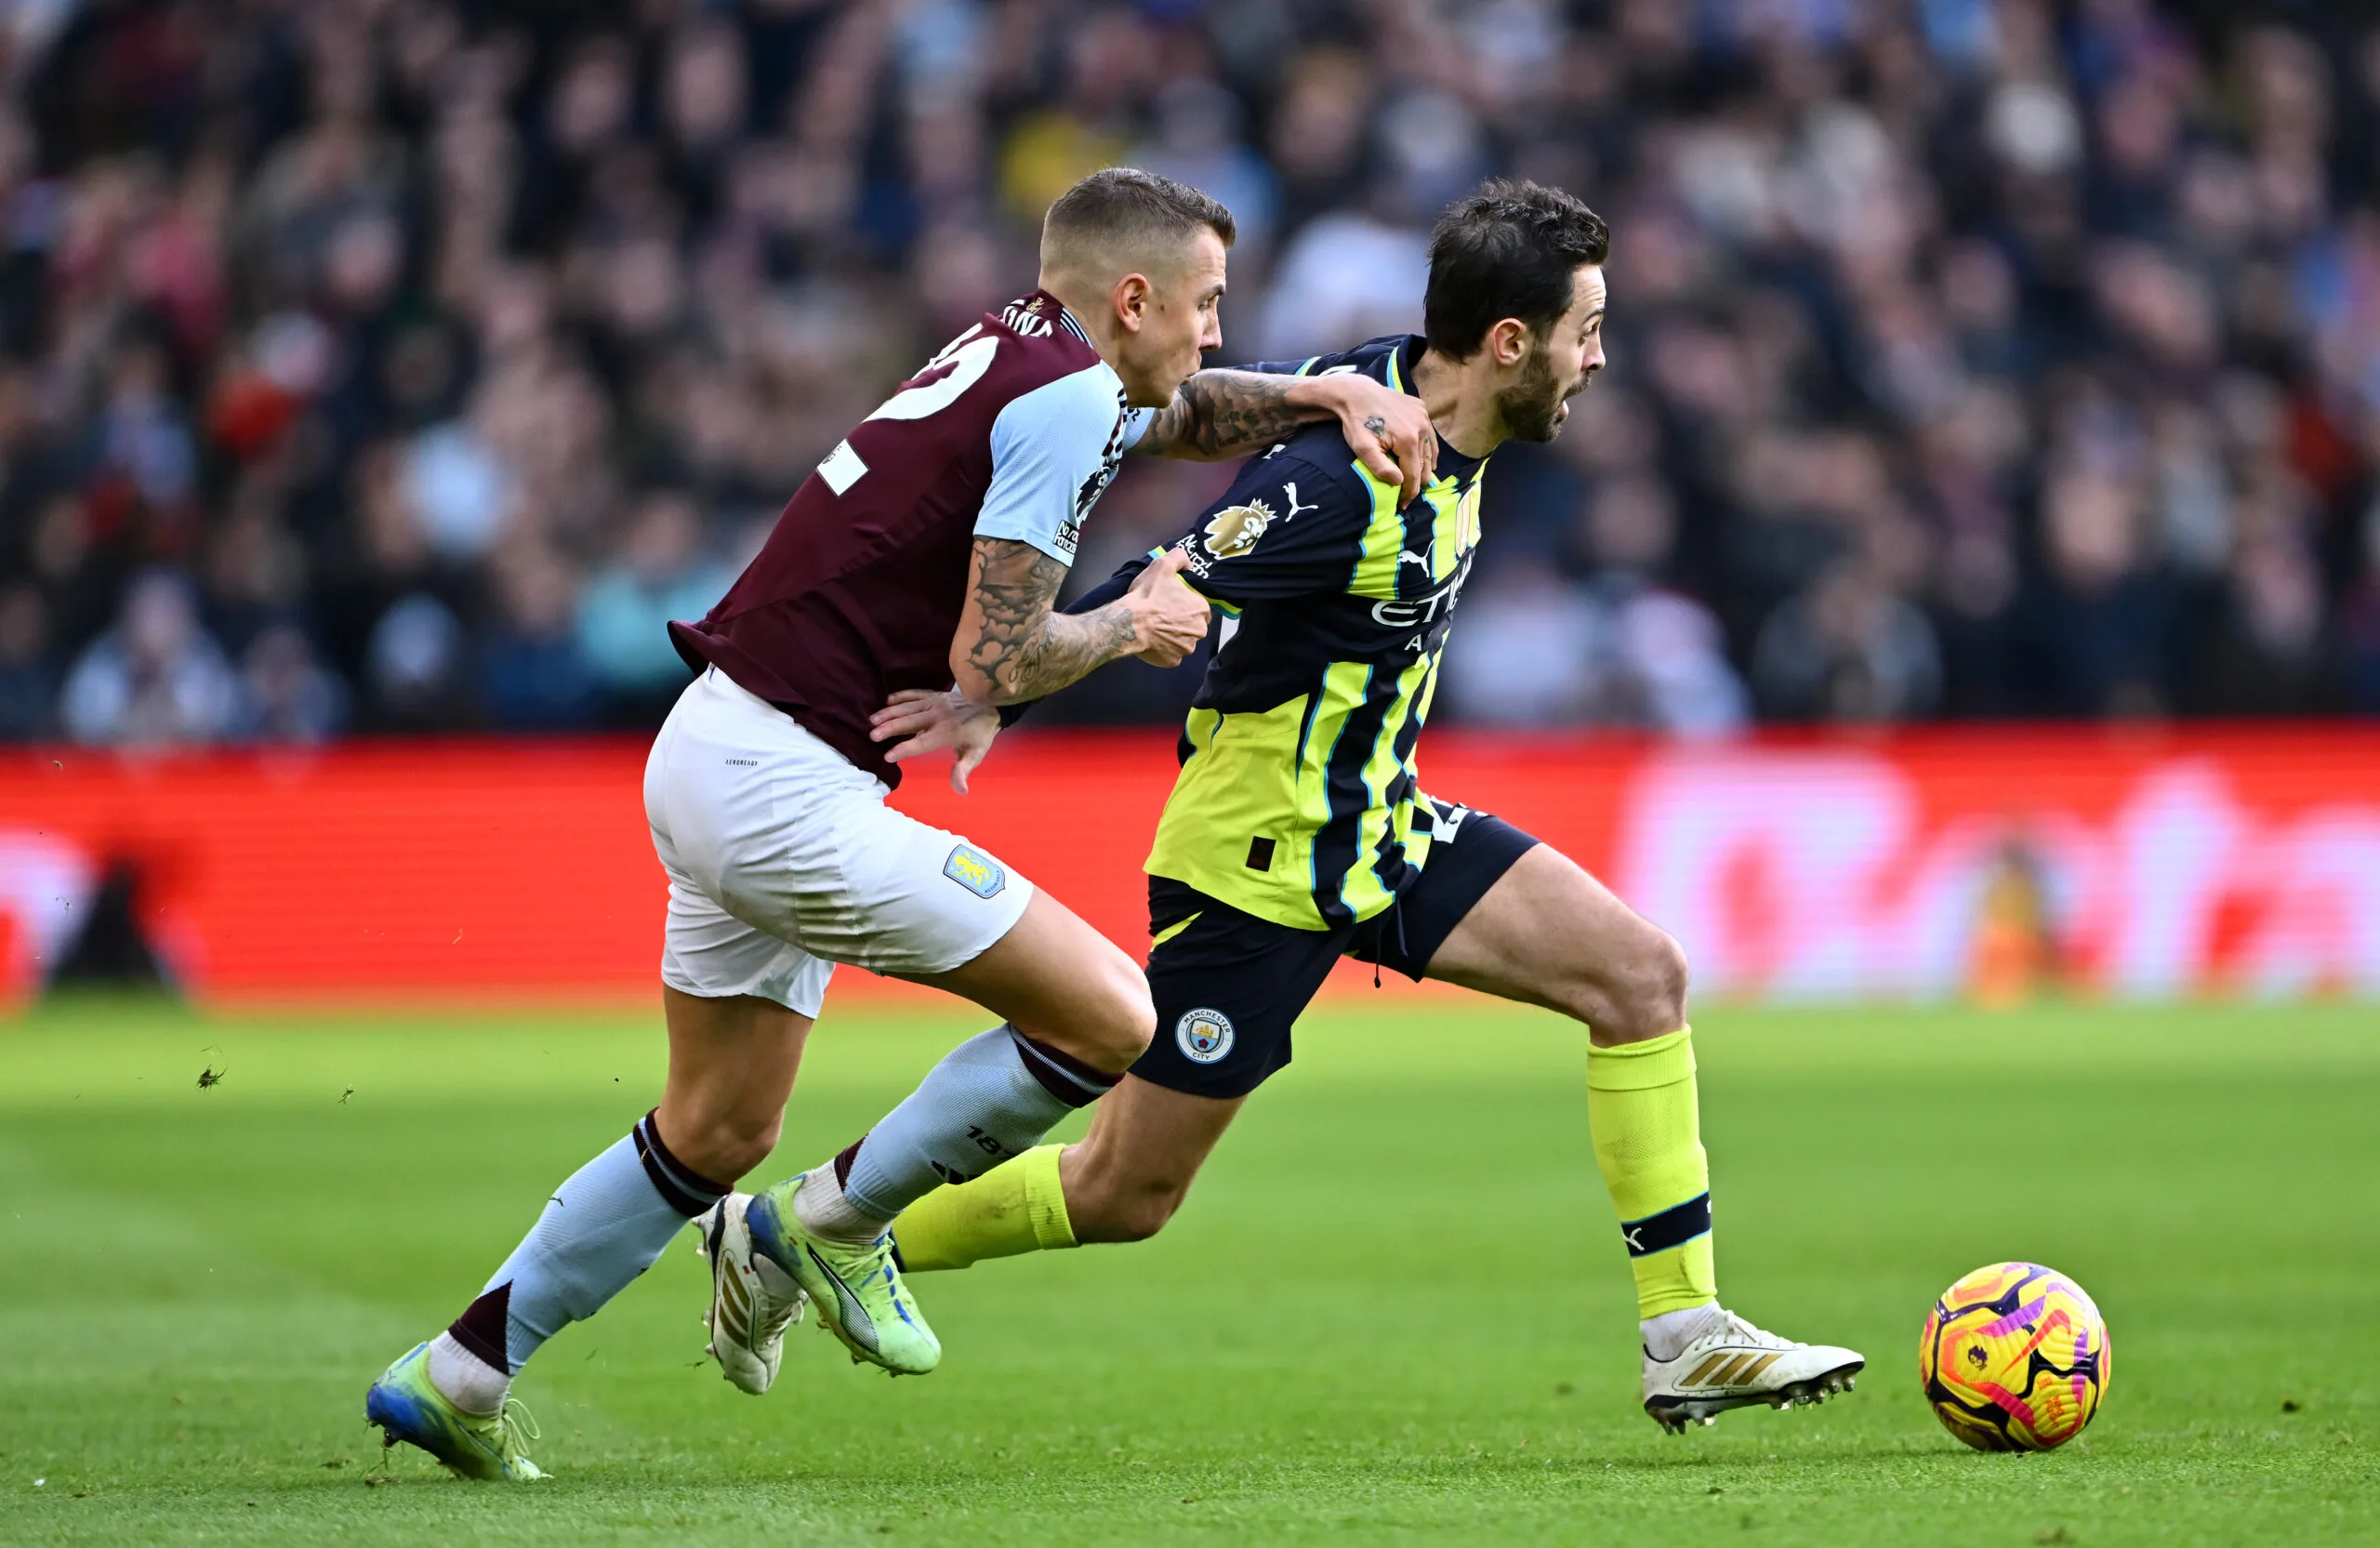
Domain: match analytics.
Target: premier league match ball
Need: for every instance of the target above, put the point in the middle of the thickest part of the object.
(2014, 1359)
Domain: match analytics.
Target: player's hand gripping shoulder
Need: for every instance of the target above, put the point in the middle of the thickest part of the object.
(926, 721)
(1013, 647)
(1227, 414)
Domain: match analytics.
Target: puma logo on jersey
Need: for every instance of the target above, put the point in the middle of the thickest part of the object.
(1291, 491)
(1235, 529)
(1409, 557)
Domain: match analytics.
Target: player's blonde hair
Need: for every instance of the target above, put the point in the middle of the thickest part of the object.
(1124, 216)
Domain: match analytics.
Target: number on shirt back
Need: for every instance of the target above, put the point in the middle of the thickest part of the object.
(963, 362)
(968, 357)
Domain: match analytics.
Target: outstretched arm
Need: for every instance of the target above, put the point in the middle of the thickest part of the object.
(1217, 414)
(1013, 646)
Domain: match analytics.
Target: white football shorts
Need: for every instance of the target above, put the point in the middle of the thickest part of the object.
(784, 860)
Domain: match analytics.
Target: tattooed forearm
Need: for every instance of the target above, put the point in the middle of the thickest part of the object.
(1011, 646)
(1225, 414)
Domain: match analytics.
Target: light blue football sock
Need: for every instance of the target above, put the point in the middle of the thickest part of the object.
(599, 1230)
(992, 1097)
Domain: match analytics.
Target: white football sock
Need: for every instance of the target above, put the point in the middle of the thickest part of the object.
(1667, 1335)
(825, 1209)
(468, 1382)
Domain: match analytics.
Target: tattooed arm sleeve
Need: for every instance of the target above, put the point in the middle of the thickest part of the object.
(1227, 414)
(1217, 415)
(1011, 646)
(1099, 596)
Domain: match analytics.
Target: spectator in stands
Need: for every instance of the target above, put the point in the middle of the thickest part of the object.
(532, 673)
(1527, 650)
(2103, 633)
(156, 679)
(663, 573)
(28, 674)
(1847, 649)
(1661, 665)
(288, 695)
(417, 667)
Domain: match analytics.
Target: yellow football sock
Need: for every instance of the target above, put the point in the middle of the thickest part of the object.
(1016, 1207)
(1648, 1141)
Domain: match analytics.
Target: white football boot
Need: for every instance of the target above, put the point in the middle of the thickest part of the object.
(1732, 1364)
(752, 1301)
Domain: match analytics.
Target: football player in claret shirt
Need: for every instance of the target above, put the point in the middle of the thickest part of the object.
(925, 548)
(1297, 833)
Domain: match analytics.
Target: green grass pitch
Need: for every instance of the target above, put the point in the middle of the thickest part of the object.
(1393, 1310)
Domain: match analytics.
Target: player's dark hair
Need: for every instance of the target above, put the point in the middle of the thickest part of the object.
(1508, 249)
(1123, 207)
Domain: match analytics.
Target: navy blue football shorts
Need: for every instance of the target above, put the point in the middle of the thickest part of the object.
(1229, 985)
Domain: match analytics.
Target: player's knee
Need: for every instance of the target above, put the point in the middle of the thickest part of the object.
(1642, 994)
(732, 1143)
(1121, 1019)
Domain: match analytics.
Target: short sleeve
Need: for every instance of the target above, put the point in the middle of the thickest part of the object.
(1363, 357)
(1311, 365)
(1054, 450)
(1287, 527)
(1280, 367)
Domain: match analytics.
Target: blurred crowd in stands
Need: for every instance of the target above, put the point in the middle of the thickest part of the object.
(401, 365)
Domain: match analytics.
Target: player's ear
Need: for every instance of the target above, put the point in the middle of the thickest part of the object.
(1131, 298)
(1508, 341)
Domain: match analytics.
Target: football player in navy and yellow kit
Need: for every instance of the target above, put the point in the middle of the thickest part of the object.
(1298, 831)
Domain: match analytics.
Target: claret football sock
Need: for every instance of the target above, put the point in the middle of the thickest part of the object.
(1017, 1207)
(993, 1097)
(1642, 1103)
(604, 1227)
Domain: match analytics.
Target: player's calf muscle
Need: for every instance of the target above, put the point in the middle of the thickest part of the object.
(1114, 1195)
(1132, 1171)
(1133, 1214)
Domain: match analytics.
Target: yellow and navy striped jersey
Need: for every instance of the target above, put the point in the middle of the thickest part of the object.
(1297, 799)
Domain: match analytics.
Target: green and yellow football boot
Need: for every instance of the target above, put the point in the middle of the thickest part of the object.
(408, 1407)
(856, 1289)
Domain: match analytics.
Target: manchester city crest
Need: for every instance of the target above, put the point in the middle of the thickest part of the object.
(1204, 1036)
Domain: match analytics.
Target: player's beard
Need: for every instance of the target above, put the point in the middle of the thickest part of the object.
(1531, 407)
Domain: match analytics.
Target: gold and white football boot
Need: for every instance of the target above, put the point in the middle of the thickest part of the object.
(1730, 1364)
(752, 1301)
